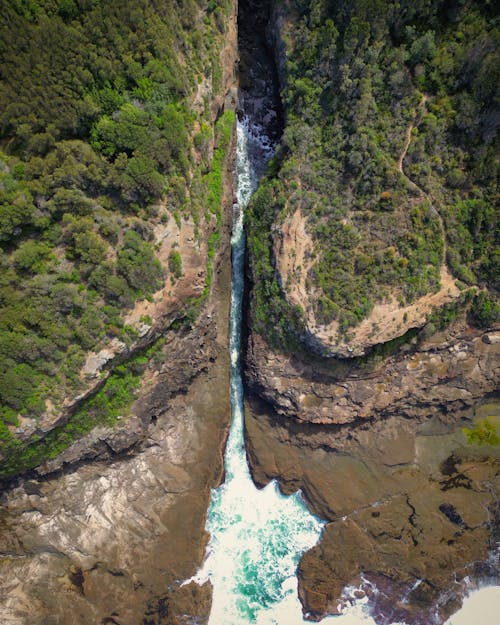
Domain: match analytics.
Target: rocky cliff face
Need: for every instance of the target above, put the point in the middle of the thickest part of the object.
(368, 422)
(107, 530)
(446, 375)
(382, 456)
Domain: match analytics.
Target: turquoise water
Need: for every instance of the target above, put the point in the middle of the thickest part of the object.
(258, 536)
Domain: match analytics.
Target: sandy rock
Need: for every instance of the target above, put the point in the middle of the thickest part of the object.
(95, 362)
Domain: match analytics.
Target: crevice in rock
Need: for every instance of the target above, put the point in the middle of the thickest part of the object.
(259, 90)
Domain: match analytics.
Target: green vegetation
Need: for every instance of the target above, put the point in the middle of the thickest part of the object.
(485, 310)
(358, 77)
(271, 315)
(213, 182)
(97, 119)
(175, 264)
(484, 432)
(112, 400)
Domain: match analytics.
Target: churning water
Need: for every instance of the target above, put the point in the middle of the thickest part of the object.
(257, 536)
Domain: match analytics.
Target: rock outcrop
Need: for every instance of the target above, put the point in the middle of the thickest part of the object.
(352, 395)
(378, 450)
(107, 531)
(445, 374)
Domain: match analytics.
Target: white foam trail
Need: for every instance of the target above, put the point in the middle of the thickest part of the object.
(257, 536)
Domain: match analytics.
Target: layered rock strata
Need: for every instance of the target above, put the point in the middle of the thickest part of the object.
(380, 453)
(107, 531)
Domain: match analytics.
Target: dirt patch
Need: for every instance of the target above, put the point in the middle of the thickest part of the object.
(292, 247)
(174, 237)
(388, 320)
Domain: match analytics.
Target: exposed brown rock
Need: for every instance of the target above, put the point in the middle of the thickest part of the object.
(379, 452)
(107, 532)
(448, 376)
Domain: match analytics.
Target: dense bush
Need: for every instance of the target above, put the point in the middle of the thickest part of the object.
(485, 310)
(112, 400)
(175, 264)
(96, 126)
(357, 76)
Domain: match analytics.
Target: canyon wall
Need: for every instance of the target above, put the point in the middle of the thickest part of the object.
(371, 368)
(103, 518)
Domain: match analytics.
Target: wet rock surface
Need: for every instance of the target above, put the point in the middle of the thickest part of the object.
(259, 84)
(380, 453)
(407, 502)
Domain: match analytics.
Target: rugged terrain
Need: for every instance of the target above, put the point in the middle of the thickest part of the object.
(373, 339)
(113, 156)
(380, 453)
(106, 484)
(107, 531)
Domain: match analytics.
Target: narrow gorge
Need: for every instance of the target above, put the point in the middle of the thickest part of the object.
(249, 320)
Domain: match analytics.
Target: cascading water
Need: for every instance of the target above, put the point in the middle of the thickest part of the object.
(258, 536)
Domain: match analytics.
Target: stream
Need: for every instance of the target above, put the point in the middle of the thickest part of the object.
(257, 536)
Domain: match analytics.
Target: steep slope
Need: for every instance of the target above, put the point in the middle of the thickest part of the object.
(373, 344)
(115, 219)
(382, 205)
(115, 125)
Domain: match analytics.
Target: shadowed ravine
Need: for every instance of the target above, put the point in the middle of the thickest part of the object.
(259, 536)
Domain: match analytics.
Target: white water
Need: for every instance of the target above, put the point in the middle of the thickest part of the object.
(257, 537)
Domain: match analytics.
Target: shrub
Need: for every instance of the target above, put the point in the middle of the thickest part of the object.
(175, 264)
(485, 310)
(483, 433)
(138, 265)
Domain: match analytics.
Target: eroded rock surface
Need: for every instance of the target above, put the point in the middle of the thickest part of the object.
(106, 532)
(378, 450)
(445, 373)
